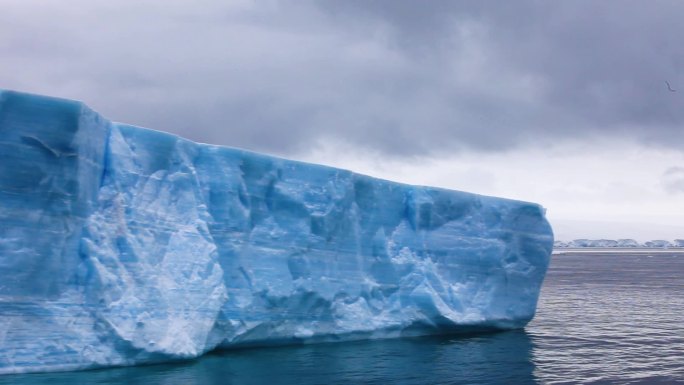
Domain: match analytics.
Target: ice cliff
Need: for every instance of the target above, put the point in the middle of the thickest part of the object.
(122, 245)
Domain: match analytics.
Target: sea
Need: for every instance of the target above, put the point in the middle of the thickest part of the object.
(603, 318)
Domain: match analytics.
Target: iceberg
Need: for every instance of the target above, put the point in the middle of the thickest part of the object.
(122, 245)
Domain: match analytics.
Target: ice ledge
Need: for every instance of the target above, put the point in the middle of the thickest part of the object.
(122, 245)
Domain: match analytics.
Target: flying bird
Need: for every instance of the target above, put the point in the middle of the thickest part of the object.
(669, 88)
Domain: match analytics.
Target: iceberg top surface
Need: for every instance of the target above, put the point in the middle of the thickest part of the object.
(76, 105)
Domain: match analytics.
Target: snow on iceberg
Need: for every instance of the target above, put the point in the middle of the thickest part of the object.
(122, 245)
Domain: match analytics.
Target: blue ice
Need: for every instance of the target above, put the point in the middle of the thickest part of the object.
(122, 245)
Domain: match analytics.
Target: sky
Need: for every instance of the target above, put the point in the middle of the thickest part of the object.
(561, 103)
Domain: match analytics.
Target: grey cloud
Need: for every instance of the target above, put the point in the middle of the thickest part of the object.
(673, 180)
(596, 67)
(401, 77)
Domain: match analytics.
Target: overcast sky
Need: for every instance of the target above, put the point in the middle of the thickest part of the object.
(561, 103)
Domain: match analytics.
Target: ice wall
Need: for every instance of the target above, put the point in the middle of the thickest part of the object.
(122, 245)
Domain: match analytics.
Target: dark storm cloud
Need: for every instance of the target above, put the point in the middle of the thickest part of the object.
(400, 77)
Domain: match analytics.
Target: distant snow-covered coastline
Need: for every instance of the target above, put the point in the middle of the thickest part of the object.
(619, 243)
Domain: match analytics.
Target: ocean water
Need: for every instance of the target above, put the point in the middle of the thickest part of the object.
(602, 319)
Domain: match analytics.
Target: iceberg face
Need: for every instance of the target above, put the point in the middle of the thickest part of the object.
(122, 245)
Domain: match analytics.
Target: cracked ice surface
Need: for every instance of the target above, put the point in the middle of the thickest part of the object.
(122, 245)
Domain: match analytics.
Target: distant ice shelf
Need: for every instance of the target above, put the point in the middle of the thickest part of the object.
(122, 245)
(620, 243)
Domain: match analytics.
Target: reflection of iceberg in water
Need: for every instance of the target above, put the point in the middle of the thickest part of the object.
(501, 358)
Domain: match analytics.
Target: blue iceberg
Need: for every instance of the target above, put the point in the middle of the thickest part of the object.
(122, 245)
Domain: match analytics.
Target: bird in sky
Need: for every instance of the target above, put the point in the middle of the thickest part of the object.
(669, 88)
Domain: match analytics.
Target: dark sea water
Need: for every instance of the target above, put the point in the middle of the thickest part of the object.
(602, 319)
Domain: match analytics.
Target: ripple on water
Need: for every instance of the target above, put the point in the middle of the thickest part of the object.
(611, 319)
